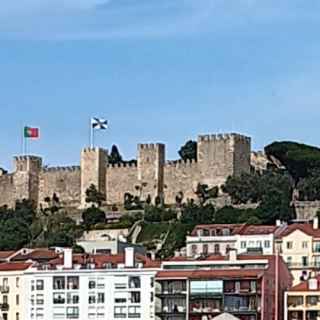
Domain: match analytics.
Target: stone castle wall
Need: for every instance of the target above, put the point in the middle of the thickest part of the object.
(121, 179)
(65, 182)
(219, 156)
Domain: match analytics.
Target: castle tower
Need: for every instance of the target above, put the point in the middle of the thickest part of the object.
(93, 171)
(221, 156)
(26, 177)
(151, 160)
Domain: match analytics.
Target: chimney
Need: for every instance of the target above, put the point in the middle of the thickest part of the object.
(315, 223)
(313, 284)
(278, 223)
(67, 258)
(129, 257)
(232, 255)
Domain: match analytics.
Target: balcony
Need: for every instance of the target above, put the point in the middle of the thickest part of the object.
(295, 302)
(172, 288)
(4, 289)
(4, 307)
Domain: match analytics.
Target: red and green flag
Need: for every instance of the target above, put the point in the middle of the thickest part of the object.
(30, 132)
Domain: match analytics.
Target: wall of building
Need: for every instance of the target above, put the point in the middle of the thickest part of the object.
(180, 177)
(7, 190)
(65, 182)
(120, 180)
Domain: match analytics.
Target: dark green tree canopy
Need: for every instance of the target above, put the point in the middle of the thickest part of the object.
(299, 159)
(92, 216)
(94, 196)
(115, 156)
(188, 151)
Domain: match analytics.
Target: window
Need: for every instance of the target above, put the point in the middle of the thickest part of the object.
(72, 298)
(135, 297)
(39, 285)
(289, 245)
(216, 249)
(289, 260)
(4, 299)
(134, 282)
(134, 312)
(120, 300)
(73, 313)
(205, 249)
(243, 244)
(59, 298)
(59, 283)
(40, 299)
(73, 283)
(92, 284)
(17, 316)
(92, 299)
(17, 282)
(251, 244)
(305, 261)
(120, 312)
(17, 299)
(204, 287)
(100, 297)
(304, 244)
(259, 244)
(194, 249)
(267, 243)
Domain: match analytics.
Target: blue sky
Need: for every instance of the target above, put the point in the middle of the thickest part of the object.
(160, 71)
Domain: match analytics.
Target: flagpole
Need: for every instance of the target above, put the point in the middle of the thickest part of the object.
(91, 135)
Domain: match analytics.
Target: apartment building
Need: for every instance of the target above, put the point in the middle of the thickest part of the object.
(299, 245)
(245, 286)
(77, 286)
(220, 238)
(12, 290)
(302, 302)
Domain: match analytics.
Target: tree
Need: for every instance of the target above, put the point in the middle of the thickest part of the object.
(204, 193)
(92, 216)
(194, 214)
(115, 156)
(299, 159)
(94, 196)
(188, 151)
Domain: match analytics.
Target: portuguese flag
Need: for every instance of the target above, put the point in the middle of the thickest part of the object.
(31, 132)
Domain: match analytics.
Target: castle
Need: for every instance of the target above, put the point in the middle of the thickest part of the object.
(218, 156)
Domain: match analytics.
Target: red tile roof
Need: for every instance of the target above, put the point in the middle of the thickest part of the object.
(304, 286)
(234, 228)
(212, 274)
(12, 266)
(306, 228)
(220, 258)
(257, 229)
(6, 254)
(36, 255)
(101, 259)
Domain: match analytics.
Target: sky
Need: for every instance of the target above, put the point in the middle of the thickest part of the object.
(159, 71)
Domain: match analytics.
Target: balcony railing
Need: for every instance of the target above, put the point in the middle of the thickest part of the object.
(298, 265)
(4, 289)
(4, 307)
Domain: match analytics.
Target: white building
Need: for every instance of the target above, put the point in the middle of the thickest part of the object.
(218, 239)
(83, 287)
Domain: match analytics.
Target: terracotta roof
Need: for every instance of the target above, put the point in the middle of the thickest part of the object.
(304, 286)
(234, 228)
(101, 259)
(36, 255)
(12, 266)
(257, 229)
(212, 274)
(6, 254)
(306, 228)
(220, 258)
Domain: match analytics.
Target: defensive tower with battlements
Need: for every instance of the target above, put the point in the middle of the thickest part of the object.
(218, 156)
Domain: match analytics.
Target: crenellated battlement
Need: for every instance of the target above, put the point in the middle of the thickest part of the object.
(218, 157)
(150, 146)
(223, 137)
(122, 165)
(259, 153)
(27, 158)
(62, 169)
(181, 164)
